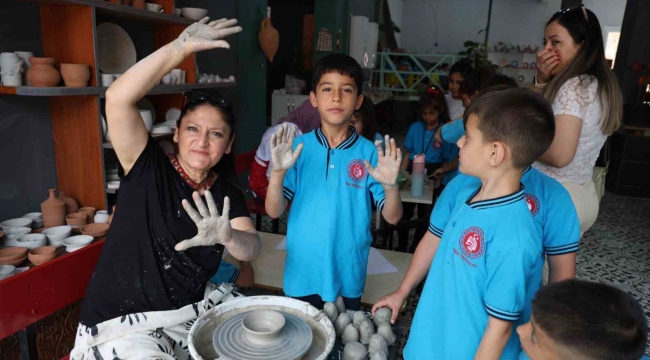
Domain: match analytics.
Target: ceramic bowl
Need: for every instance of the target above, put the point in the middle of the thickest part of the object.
(42, 255)
(153, 7)
(161, 129)
(12, 254)
(101, 217)
(113, 185)
(34, 216)
(77, 219)
(6, 271)
(194, 13)
(77, 242)
(263, 326)
(14, 223)
(17, 231)
(37, 224)
(95, 230)
(56, 235)
(32, 241)
(15, 262)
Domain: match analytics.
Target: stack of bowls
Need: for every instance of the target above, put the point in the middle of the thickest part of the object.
(13, 256)
(95, 230)
(14, 233)
(6, 271)
(38, 219)
(77, 220)
(31, 241)
(14, 223)
(42, 255)
(56, 235)
(77, 242)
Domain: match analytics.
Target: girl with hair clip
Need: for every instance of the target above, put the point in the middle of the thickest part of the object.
(573, 76)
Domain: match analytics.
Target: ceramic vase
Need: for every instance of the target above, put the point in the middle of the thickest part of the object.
(75, 75)
(24, 56)
(42, 73)
(101, 217)
(53, 210)
(138, 4)
(71, 205)
(90, 211)
(11, 68)
(269, 39)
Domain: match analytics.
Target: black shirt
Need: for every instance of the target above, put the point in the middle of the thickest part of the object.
(139, 270)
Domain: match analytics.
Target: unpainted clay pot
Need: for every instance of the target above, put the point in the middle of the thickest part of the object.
(90, 211)
(42, 73)
(75, 75)
(138, 4)
(71, 205)
(269, 39)
(53, 210)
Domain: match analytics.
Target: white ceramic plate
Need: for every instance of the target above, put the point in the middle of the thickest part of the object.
(173, 114)
(116, 49)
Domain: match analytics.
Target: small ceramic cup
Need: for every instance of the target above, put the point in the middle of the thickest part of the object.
(107, 79)
(90, 211)
(101, 217)
(179, 75)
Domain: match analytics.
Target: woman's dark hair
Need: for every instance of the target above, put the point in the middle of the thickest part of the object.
(470, 85)
(366, 114)
(434, 98)
(225, 168)
(584, 27)
(463, 66)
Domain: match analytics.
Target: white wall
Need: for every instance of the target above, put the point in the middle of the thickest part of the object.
(450, 23)
(396, 13)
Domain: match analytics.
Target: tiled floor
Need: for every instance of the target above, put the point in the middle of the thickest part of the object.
(616, 250)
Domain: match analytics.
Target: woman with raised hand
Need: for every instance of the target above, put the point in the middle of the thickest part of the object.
(149, 285)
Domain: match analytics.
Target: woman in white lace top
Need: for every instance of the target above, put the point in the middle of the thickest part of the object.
(574, 77)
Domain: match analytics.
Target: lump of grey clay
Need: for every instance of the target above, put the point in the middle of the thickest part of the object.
(358, 318)
(366, 330)
(377, 344)
(387, 333)
(341, 323)
(382, 315)
(379, 355)
(340, 305)
(331, 312)
(350, 334)
(355, 351)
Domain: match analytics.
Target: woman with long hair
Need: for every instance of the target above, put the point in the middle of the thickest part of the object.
(574, 77)
(149, 285)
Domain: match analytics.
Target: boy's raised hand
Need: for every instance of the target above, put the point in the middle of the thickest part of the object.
(282, 155)
(388, 164)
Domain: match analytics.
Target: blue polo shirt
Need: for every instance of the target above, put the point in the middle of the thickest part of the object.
(328, 234)
(452, 131)
(483, 267)
(449, 152)
(420, 140)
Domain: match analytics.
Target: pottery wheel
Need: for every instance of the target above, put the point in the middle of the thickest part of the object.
(293, 342)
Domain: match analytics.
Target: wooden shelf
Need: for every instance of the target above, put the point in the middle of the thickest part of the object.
(181, 88)
(109, 145)
(96, 90)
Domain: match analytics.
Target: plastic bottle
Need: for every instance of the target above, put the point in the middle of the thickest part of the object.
(417, 176)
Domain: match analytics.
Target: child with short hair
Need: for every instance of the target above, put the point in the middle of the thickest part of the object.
(329, 175)
(364, 122)
(458, 72)
(581, 320)
(482, 250)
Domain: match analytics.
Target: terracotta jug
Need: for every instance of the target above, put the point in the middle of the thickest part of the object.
(42, 73)
(75, 75)
(269, 38)
(53, 210)
(71, 205)
(138, 4)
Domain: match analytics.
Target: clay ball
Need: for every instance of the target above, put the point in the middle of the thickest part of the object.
(358, 318)
(366, 330)
(382, 315)
(387, 333)
(341, 323)
(340, 305)
(355, 351)
(331, 312)
(377, 344)
(350, 334)
(379, 355)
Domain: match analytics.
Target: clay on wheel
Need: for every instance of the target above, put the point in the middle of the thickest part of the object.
(387, 333)
(382, 315)
(355, 351)
(358, 318)
(340, 304)
(350, 334)
(341, 323)
(377, 344)
(331, 312)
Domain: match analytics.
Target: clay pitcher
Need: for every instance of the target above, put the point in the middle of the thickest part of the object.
(42, 73)
(269, 38)
(53, 210)
(71, 205)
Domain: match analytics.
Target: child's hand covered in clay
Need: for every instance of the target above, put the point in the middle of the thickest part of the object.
(213, 228)
(393, 301)
(205, 36)
(387, 165)
(282, 155)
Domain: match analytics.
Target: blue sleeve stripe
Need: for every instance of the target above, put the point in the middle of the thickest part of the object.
(435, 231)
(380, 204)
(562, 252)
(562, 247)
(234, 276)
(287, 193)
(502, 315)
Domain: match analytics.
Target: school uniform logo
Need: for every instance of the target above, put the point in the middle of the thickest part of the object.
(472, 242)
(436, 145)
(356, 171)
(532, 202)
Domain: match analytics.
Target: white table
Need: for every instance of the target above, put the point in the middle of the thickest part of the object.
(405, 195)
(269, 270)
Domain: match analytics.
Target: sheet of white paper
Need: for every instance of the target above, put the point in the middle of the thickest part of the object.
(377, 263)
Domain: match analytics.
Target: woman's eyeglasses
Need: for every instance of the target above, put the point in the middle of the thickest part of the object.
(193, 98)
(568, 10)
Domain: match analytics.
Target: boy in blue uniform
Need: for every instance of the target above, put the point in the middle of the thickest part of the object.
(482, 248)
(327, 176)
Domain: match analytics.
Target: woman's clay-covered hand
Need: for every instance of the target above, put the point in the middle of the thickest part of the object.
(212, 228)
(282, 155)
(350, 334)
(388, 165)
(393, 301)
(204, 35)
(355, 351)
(547, 61)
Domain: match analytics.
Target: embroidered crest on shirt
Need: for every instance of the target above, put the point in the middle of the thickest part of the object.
(436, 145)
(532, 202)
(472, 242)
(356, 171)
